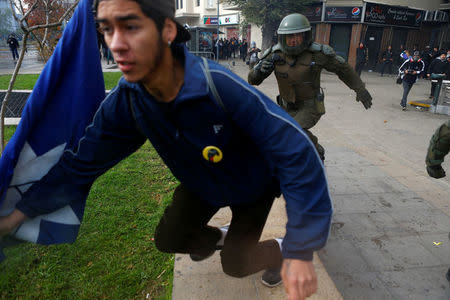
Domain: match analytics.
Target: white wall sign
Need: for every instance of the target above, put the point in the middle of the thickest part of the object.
(228, 20)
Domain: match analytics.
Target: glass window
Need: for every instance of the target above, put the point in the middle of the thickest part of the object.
(198, 2)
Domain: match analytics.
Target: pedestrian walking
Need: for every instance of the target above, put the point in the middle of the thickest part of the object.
(409, 71)
(227, 144)
(13, 44)
(362, 56)
(388, 60)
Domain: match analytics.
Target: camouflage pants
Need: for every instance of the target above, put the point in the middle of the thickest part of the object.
(307, 115)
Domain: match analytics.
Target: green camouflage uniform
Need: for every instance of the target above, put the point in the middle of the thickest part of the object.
(298, 80)
(438, 149)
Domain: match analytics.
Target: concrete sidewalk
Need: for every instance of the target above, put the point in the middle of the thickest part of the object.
(389, 237)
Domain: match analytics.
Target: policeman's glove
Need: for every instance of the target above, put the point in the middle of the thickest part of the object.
(436, 171)
(364, 97)
(266, 66)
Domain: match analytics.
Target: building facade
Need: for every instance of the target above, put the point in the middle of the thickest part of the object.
(413, 24)
(342, 24)
(204, 14)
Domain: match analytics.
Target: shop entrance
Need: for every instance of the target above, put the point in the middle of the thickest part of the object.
(340, 39)
(373, 43)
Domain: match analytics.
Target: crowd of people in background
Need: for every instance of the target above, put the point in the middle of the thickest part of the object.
(427, 64)
(410, 65)
(234, 48)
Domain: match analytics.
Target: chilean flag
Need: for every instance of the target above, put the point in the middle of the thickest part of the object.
(63, 102)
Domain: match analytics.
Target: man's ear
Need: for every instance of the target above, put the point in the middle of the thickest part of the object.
(169, 32)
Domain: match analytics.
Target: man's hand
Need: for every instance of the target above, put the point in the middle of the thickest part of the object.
(364, 97)
(436, 171)
(299, 278)
(9, 223)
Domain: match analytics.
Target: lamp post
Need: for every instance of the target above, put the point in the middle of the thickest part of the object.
(218, 30)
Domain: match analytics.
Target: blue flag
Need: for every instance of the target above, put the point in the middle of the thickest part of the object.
(63, 102)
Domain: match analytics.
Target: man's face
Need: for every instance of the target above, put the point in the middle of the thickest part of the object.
(133, 38)
(443, 56)
(295, 39)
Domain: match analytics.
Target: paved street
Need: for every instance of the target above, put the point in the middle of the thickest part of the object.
(389, 238)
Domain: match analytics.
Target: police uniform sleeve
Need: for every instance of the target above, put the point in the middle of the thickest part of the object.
(106, 142)
(262, 69)
(336, 64)
(437, 150)
(296, 164)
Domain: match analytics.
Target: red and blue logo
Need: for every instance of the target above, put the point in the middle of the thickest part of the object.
(356, 11)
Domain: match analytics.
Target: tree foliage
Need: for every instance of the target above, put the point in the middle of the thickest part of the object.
(268, 14)
(26, 14)
(45, 12)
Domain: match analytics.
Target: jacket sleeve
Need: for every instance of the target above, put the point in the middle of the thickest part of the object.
(343, 70)
(403, 67)
(255, 77)
(108, 139)
(291, 154)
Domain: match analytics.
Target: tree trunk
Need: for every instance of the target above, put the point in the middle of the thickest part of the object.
(9, 91)
(268, 31)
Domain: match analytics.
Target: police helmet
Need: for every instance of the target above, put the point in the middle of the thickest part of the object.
(291, 24)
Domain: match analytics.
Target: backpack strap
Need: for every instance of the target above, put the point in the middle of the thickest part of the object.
(212, 86)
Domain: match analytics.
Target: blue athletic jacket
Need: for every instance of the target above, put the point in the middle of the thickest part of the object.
(263, 148)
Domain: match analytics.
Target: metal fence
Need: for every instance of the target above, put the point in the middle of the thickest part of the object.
(443, 102)
(15, 104)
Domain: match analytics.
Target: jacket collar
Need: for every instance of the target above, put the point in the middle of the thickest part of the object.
(195, 84)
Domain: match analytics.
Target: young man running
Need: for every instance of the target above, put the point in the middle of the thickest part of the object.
(228, 145)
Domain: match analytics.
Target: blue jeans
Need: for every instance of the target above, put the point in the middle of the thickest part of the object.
(406, 88)
(14, 52)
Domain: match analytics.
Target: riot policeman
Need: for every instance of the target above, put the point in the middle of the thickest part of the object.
(297, 63)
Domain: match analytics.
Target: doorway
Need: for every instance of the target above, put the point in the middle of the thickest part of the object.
(340, 39)
(373, 38)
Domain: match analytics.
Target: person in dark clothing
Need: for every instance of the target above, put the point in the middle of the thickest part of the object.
(435, 53)
(388, 60)
(362, 55)
(13, 45)
(409, 71)
(437, 72)
(426, 56)
(243, 50)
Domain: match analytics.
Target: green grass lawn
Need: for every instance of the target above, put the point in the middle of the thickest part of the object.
(27, 81)
(114, 256)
